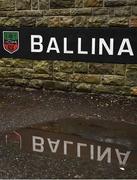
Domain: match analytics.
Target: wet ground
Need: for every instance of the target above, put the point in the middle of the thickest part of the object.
(28, 165)
(67, 135)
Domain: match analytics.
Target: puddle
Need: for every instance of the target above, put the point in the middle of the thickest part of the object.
(88, 140)
(78, 135)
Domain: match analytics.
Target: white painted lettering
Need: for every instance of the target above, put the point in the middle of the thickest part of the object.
(66, 51)
(125, 157)
(36, 43)
(66, 143)
(37, 144)
(53, 145)
(79, 145)
(92, 152)
(107, 153)
(103, 44)
(125, 42)
(80, 47)
(93, 49)
(53, 46)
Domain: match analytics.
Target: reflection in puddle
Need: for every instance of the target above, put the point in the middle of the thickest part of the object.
(122, 168)
(14, 138)
(107, 142)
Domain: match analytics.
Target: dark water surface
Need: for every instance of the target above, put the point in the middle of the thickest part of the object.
(67, 135)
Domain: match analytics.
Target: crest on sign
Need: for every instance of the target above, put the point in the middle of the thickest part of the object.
(11, 41)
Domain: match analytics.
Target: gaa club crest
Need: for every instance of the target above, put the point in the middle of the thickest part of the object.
(11, 41)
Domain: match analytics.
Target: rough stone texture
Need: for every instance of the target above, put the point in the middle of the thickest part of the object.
(133, 22)
(18, 63)
(81, 67)
(6, 5)
(61, 66)
(131, 77)
(75, 77)
(78, 3)
(134, 10)
(120, 69)
(35, 83)
(23, 4)
(134, 91)
(81, 21)
(67, 21)
(5, 21)
(93, 3)
(118, 21)
(57, 12)
(42, 67)
(132, 3)
(22, 13)
(35, 4)
(97, 21)
(123, 11)
(50, 85)
(53, 21)
(42, 21)
(114, 3)
(27, 21)
(81, 11)
(69, 76)
(101, 68)
(55, 4)
(60, 76)
(113, 80)
(81, 87)
(100, 11)
(90, 78)
(64, 86)
(124, 90)
(43, 4)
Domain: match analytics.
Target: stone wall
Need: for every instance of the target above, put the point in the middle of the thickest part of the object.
(69, 76)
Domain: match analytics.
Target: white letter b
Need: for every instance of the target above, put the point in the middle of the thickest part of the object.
(37, 144)
(36, 46)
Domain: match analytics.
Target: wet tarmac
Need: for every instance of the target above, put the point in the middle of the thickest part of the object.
(19, 108)
(67, 135)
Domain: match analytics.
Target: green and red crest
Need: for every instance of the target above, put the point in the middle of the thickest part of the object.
(11, 41)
